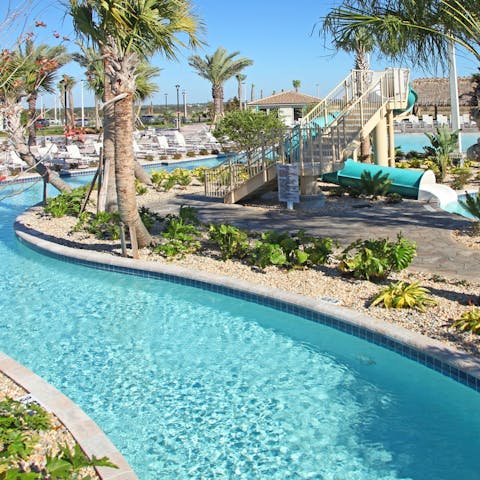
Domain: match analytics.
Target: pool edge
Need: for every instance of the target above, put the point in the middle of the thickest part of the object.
(90, 437)
(463, 367)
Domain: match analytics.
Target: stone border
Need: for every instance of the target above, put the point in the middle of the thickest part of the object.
(84, 430)
(461, 366)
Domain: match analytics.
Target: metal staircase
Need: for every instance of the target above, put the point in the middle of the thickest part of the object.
(327, 135)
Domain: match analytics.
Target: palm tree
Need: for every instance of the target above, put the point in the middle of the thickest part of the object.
(296, 84)
(40, 66)
(127, 31)
(240, 78)
(217, 69)
(252, 92)
(409, 29)
(13, 81)
(65, 86)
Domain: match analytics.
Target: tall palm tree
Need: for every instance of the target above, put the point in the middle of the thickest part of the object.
(41, 63)
(126, 31)
(410, 29)
(296, 84)
(217, 69)
(252, 92)
(240, 78)
(66, 85)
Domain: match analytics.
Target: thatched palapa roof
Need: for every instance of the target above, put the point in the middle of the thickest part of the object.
(289, 98)
(436, 91)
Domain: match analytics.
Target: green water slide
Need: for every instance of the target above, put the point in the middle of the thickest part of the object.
(406, 182)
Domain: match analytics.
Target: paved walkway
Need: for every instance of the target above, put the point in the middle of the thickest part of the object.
(437, 252)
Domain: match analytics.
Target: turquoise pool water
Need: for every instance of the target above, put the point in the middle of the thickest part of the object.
(416, 141)
(194, 385)
(456, 207)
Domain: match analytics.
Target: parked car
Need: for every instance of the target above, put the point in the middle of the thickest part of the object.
(42, 122)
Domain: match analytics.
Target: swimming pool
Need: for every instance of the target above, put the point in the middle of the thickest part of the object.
(190, 384)
(456, 207)
(416, 141)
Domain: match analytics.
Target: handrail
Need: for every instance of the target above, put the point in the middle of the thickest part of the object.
(343, 114)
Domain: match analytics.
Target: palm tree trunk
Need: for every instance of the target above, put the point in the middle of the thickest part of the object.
(362, 64)
(240, 94)
(109, 147)
(124, 171)
(217, 94)
(71, 107)
(32, 113)
(97, 114)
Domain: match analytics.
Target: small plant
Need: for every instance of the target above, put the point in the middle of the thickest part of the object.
(140, 188)
(158, 177)
(404, 295)
(177, 156)
(443, 142)
(203, 151)
(191, 154)
(181, 177)
(180, 237)
(461, 176)
(67, 203)
(469, 321)
(393, 198)
(163, 157)
(375, 259)
(231, 241)
(148, 217)
(104, 225)
(264, 254)
(215, 151)
(199, 172)
(373, 186)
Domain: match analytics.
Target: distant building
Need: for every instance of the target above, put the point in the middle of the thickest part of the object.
(291, 105)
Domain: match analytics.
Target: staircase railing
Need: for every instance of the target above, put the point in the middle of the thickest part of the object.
(319, 142)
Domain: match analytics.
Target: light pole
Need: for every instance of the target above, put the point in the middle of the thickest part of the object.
(184, 93)
(245, 93)
(166, 104)
(82, 104)
(454, 103)
(178, 106)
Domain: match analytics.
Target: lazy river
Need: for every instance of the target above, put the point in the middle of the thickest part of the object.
(191, 384)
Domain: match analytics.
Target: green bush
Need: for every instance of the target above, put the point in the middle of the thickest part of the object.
(67, 203)
(158, 177)
(181, 177)
(148, 217)
(177, 156)
(191, 154)
(373, 186)
(393, 198)
(376, 259)
(140, 188)
(231, 241)
(199, 172)
(203, 151)
(297, 250)
(404, 295)
(20, 426)
(469, 321)
(461, 177)
(104, 225)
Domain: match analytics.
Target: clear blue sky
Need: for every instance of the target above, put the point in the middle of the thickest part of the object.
(276, 34)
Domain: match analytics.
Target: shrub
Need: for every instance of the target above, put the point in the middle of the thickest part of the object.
(461, 176)
(104, 225)
(149, 158)
(393, 198)
(67, 203)
(231, 241)
(181, 177)
(179, 237)
(376, 259)
(191, 154)
(373, 186)
(214, 151)
(158, 177)
(177, 156)
(203, 151)
(163, 157)
(404, 295)
(148, 217)
(140, 188)
(199, 172)
(297, 250)
(469, 321)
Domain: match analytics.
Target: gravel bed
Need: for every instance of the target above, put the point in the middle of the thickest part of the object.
(48, 440)
(453, 297)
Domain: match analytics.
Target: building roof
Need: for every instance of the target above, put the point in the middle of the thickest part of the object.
(436, 91)
(289, 98)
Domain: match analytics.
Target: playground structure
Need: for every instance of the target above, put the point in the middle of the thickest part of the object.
(363, 104)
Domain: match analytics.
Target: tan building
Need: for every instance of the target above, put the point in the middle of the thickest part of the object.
(291, 105)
